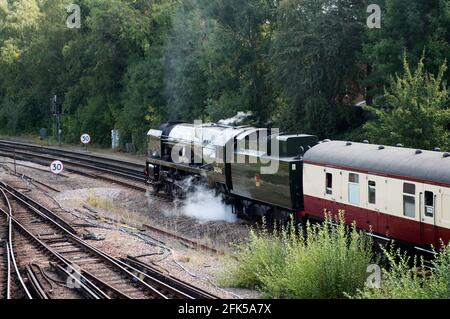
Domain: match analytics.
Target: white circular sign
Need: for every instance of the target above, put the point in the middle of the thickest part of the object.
(56, 167)
(85, 138)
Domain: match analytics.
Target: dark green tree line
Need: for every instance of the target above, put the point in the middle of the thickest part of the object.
(300, 65)
(316, 63)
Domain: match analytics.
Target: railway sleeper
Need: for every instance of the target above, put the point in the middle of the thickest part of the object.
(106, 288)
(86, 288)
(69, 250)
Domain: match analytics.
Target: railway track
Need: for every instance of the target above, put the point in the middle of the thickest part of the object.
(50, 245)
(12, 284)
(124, 173)
(127, 167)
(5, 265)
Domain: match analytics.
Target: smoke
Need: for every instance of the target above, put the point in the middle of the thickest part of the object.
(239, 118)
(200, 203)
(184, 54)
(203, 205)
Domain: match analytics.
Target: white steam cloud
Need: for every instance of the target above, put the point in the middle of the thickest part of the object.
(241, 116)
(203, 205)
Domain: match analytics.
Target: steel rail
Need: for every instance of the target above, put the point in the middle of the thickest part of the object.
(84, 286)
(36, 207)
(126, 271)
(8, 273)
(142, 272)
(30, 167)
(10, 252)
(84, 245)
(194, 244)
(76, 162)
(72, 167)
(163, 286)
(35, 284)
(129, 168)
(7, 254)
(76, 154)
(190, 290)
(31, 179)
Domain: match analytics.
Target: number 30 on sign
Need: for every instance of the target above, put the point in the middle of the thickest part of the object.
(85, 139)
(57, 167)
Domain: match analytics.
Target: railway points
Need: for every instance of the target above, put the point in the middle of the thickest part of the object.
(53, 244)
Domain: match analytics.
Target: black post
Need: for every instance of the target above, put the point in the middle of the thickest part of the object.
(58, 119)
(57, 111)
(15, 168)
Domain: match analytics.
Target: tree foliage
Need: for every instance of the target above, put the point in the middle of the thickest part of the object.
(417, 112)
(407, 26)
(401, 281)
(315, 53)
(299, 65)
(217, 59)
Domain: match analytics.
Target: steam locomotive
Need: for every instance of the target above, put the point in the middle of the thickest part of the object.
(395, 192)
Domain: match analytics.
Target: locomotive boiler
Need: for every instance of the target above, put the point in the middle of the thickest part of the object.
(258, 171)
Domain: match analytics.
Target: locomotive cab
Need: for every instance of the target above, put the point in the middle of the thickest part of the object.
(273, 193)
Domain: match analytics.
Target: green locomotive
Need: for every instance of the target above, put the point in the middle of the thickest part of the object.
(258, 171)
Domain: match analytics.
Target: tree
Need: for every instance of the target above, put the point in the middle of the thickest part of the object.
(317, 68)
(411, 26)
(238, 50)
(417, 112)
(185, 79)
(144, 103)
(216, 59)
(17, 30)
(114, 35)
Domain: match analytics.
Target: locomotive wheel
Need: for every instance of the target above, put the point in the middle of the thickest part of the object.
(168, 189)
(178, 192)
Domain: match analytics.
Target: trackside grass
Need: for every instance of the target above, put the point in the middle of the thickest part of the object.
(265, 250)
(320, 261)
(400, 280)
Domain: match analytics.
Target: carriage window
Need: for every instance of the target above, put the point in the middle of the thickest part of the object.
(329, 184)
(353, 178)
(372, 192)
(429, 204)
(353, 189)
(409, 200)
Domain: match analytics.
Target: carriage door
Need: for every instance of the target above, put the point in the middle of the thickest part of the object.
(428, 206)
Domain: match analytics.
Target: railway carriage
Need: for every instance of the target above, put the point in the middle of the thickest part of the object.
(396, 192)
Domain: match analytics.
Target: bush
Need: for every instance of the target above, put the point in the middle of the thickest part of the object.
(322, 261)
(264, 251)
(402, 281)
(417, 112)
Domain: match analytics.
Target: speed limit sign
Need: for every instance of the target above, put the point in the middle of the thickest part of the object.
(56, 167)
(85, 138)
